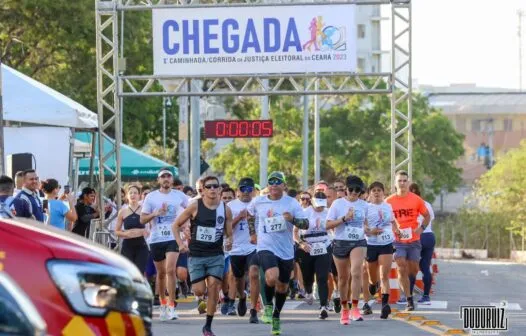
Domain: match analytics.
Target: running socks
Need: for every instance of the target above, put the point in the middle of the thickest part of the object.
(208, 325)
(269, 294)
(354, 303)
(385, 299)
(412, 280)
(280, 302)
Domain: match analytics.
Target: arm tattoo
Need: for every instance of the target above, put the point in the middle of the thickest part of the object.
(301, 223)
(251, 225)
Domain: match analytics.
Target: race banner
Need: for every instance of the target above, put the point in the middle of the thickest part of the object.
(254, 40)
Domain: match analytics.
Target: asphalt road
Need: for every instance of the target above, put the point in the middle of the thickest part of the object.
(458, 283)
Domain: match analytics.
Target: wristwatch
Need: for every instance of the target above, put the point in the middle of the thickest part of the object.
(343, 219)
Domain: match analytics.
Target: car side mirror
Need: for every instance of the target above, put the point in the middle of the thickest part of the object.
(18, 315)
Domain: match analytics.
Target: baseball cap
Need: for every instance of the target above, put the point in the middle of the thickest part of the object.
(246, 182)
(277, 175)
(164, 171)
(319, 200)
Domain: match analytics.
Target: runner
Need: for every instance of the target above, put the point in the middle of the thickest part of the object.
(427, 239)
(379, 246)
(406, 208)
(275, 215)
(160, 208)
(210, 220)
(348, 217)
(340, 188)
(229, 290)
(334, 293)
(243, 251)
(132, 232)
(315, 253)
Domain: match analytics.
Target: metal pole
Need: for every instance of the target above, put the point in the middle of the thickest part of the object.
(164, 128)
(305, 152)
(520, 13)
(316, 135)
(263, 144)
(2, 165)
(183, 138)
(195, 135)
(409, 96)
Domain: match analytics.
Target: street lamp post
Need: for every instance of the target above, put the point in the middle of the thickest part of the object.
(167, 103)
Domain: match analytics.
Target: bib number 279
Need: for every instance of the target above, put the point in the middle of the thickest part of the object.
(205, 234)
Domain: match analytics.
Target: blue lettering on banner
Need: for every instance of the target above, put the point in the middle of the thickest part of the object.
(227, 34)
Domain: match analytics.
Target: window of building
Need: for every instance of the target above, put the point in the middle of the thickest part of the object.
(508, 125)
(361, 31)
(361, 64)
(476, 125)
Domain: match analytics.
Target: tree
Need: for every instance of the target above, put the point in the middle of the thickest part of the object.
(53, 41)
(354, 138)
(502, 189)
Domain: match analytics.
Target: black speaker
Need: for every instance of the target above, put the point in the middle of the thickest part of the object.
(19, 162)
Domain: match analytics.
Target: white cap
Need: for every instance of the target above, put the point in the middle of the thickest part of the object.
(319, 202)
(164, 171)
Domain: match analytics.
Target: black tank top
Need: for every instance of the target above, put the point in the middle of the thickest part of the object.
(133, 222)
(207, 230)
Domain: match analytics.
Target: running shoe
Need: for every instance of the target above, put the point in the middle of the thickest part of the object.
(344, 318)
(355, 314)
(276, 326)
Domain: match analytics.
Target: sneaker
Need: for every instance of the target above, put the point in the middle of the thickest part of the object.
(242, 307)
(337, 305)
(402, 301)
(172, 314)
(410, 305)
(267, 315)
(201, 306)
(224, 306)
(323, 313)
(425, 300)
(386, 310)
(253, 316)
(232, 309)
(276, 326)
(309, 298)
(301, 294)
(355, 314)
(207, 332)
(163, 316)
(366, 309)
(344, 318)
(330, 307)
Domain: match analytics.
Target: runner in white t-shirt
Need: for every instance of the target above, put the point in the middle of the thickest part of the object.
(275, 215)
(379, 245)
(348, 217)
(242, 255)
(160, 208)
(314, 252)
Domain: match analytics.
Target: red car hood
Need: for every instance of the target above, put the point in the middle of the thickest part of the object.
(69, 246)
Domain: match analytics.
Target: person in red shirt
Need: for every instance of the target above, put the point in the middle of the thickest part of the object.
(406, 208)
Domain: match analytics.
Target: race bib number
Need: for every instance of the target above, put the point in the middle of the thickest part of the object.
(164, 231)
(406, 234)
(318, 249)
(385, 237)
(206, 234)
(275, 224)
(354, 233)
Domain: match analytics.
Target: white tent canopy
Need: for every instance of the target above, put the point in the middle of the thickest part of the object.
(28, 101)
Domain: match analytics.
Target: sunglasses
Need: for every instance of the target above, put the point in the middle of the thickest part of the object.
(211, 186)
(339, 189)
(275, 182)
(355, 189)
(305, 198)
(246, 189)
(228, 197)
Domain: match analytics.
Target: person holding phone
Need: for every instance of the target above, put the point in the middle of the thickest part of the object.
(57, 211)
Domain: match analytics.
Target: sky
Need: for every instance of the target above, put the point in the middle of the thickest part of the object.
(466, 41)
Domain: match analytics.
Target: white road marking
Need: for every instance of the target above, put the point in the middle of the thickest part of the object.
(433, 305)
(510, 305)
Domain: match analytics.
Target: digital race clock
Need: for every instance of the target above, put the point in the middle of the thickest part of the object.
(238, 128)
